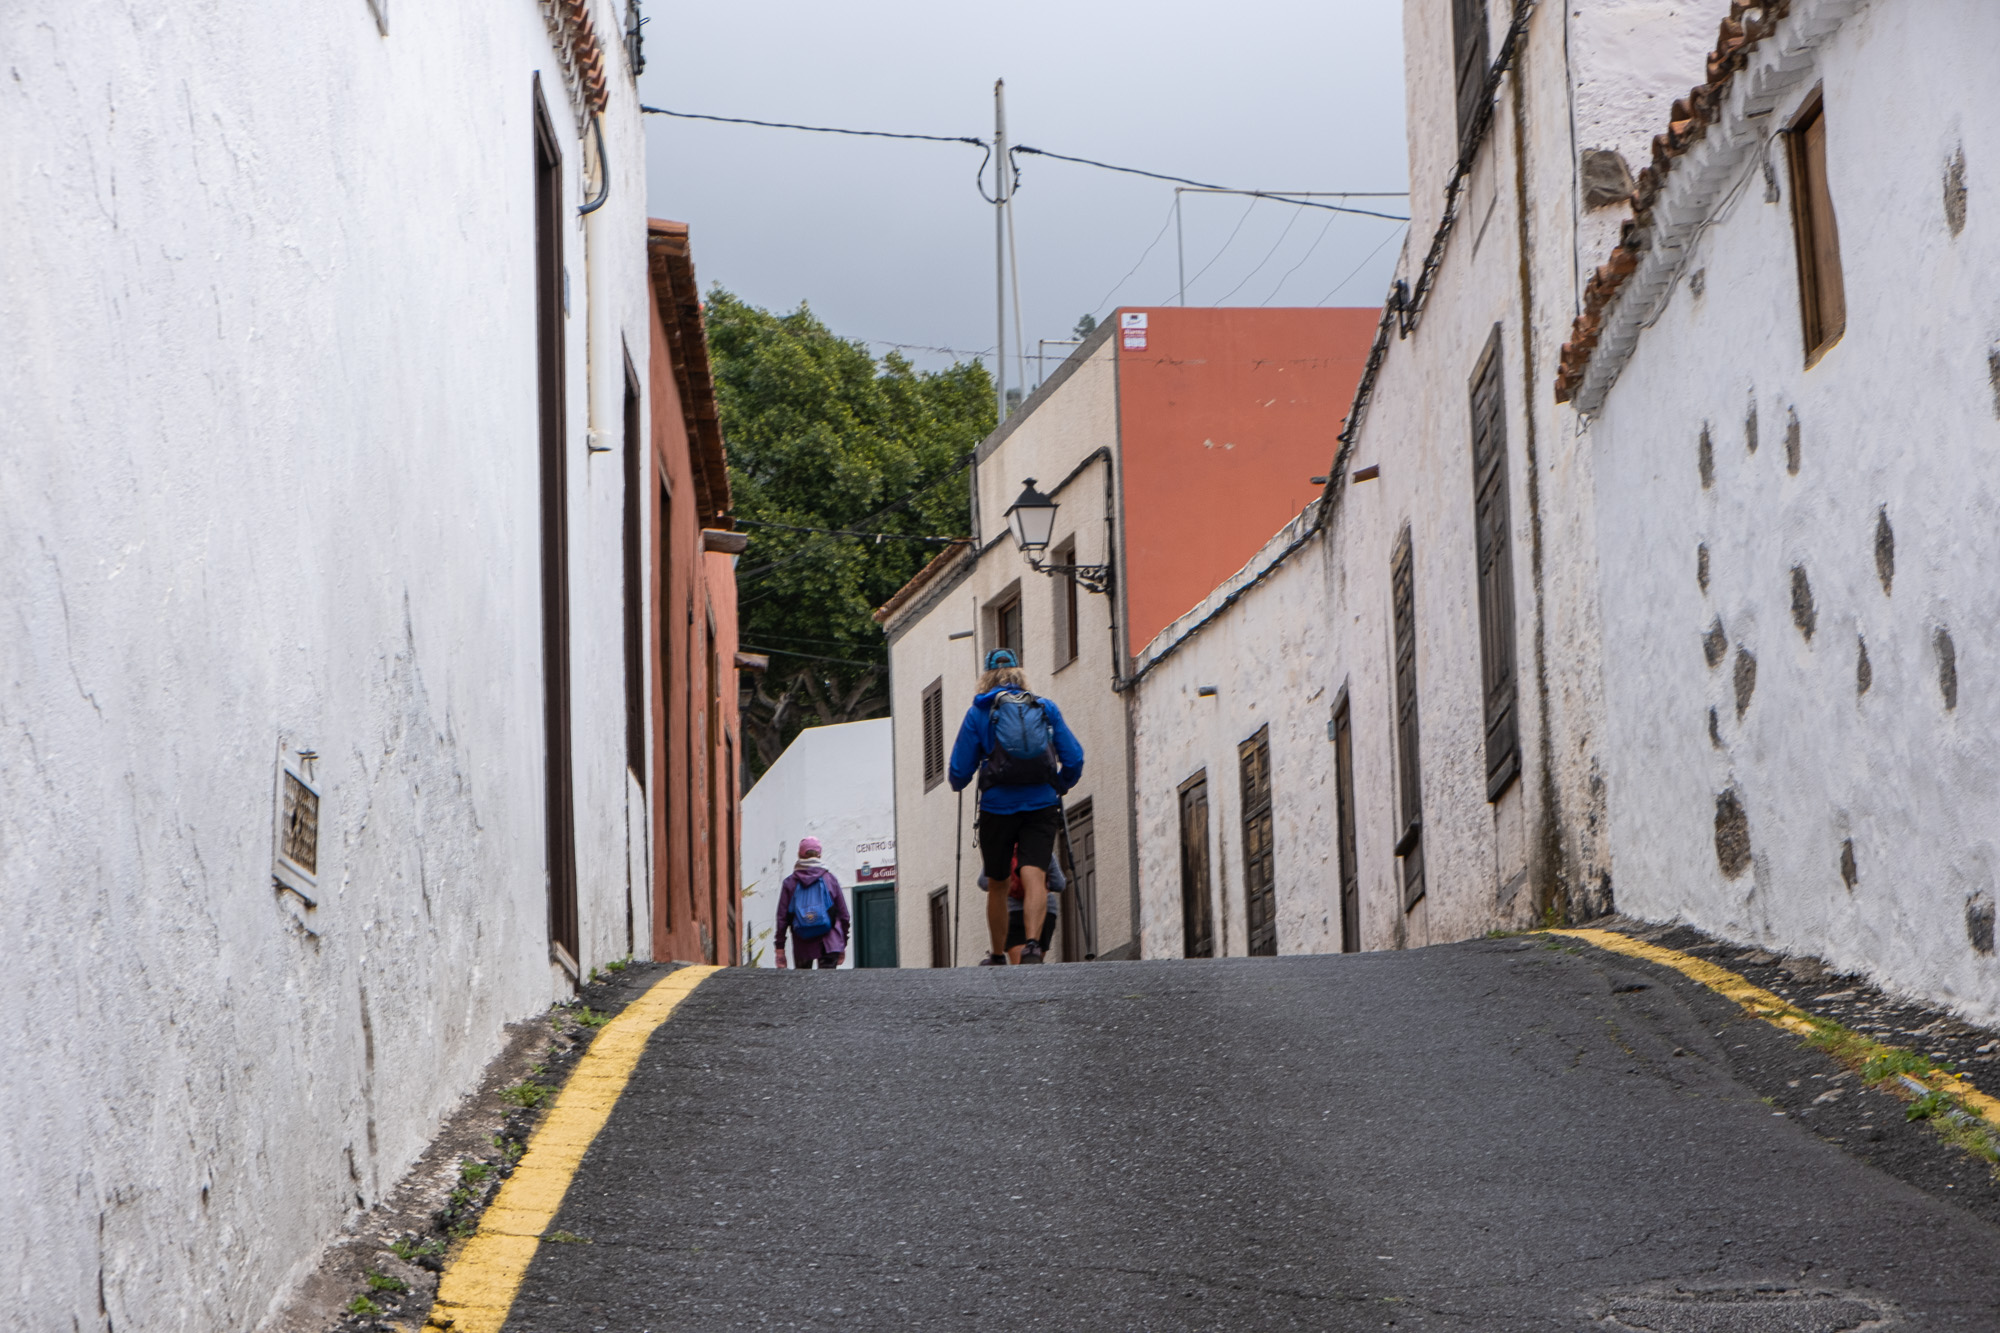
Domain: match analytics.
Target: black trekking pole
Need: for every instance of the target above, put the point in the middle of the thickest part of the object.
(958, 878)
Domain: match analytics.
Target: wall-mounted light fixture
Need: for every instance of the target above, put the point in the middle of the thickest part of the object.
(1033, 520)
(1205, 691)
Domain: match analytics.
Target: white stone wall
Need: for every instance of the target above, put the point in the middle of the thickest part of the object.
(834, 783)
(1055, 432)
(1896, 422)
(1267, 654)
(269, 482)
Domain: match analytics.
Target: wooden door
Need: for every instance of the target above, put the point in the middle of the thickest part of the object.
(1260, 892)
(875, 926)
(1197, 910)
(1343, 808)
(1078, 923)
(940, 914)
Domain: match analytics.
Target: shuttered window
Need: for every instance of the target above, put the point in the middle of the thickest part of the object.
(1260, 895)
(1822, 294)
(1493, 532)
(1197, 915)
(1409, 776)
(1468, 33)
(1342, 732)
(933, 710)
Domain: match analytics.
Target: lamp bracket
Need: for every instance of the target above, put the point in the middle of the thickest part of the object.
(1092, 578)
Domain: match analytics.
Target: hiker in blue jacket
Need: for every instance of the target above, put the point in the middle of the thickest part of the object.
(1025, 757)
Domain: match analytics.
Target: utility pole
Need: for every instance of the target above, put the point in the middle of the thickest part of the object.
(1001, 178)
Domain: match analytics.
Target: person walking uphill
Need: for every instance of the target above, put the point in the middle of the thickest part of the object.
(812, 908)
(1026, 758)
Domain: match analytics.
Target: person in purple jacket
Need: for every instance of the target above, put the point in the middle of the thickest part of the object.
(812, 909)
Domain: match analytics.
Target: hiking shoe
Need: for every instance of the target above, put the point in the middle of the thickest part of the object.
(1031, 952)
(996, 960)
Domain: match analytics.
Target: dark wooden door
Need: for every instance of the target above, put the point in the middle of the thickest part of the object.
(1078, 922)
(1410, 780)
(1197, 910)
(875, 926)
(1260, 893)
(1343, 809)
(940, 928)
(549, 323)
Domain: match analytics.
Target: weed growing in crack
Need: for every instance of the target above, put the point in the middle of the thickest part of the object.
(510, 1150)
(590, 1018)
(471, 1173)
(1891, 1061)
(383, 1282)
(526, 1093)
(413, 1251)
(618, 964)
(362, 1305)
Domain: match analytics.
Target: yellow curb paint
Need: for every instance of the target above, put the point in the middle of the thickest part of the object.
(1760, 1003)
(477, 1289)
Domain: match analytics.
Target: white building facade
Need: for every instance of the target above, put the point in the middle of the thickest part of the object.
(836, 784)
(1791, 377)
(316, 394)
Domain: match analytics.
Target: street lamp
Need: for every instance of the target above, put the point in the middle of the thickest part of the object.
(1033, 520)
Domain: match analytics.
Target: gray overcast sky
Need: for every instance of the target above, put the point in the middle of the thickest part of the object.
(889, 240)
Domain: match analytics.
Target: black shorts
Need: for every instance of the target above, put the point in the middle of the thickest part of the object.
(1031, 832)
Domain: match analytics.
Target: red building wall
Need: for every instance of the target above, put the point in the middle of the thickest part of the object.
(1224, 418)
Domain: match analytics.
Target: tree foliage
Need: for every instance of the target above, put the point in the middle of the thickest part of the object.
(821, 435)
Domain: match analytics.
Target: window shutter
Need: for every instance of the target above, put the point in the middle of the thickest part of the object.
(1493, 533)
(1410, 783)
(1468, 30)
(933, 710)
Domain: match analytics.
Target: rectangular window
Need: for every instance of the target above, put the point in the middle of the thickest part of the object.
(1469, 37)
(1065, 600)
(1197, 912)
(1260, 892)
(1822, 294)
(1410, 781)
(550, 208)
(1007, 627)
(1493, 533)
(934, 754)
(1343, 810)
(635, 582)
(940, 905)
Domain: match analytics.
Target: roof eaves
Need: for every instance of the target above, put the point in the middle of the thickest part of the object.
(1767, 45)
(941, 563)
(671, 261)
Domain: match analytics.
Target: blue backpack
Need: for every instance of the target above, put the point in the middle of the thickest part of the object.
(812, 907)
(1023, 753)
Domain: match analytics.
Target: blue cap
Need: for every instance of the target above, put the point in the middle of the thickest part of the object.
(1001, 657)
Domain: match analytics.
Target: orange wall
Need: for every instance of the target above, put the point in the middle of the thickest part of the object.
(1223, 419)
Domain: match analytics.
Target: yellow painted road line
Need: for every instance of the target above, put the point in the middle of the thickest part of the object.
(1760, 1003)
(477, 1289)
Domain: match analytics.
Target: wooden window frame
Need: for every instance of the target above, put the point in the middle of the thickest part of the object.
(1815, 231)
(1260, 855)
(931, 711)
(1409, 767)
(1493, 540)
(1197, 885)
(550, 332)
(998, 610)
(1470, 44)
(1340, 730)
(1065, 607)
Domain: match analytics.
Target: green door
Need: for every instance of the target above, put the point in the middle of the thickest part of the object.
(875, 926)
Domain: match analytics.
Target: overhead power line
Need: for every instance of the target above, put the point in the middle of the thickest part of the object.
(814, 129)
(849, 532)
(1206, 185)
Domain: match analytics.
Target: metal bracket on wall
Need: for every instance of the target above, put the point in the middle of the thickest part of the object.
(1092, 578)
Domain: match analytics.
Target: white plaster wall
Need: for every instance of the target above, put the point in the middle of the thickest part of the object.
(835, 783)
(269, 480)
(1899, 417)
(1051, 434)
(1267, 655)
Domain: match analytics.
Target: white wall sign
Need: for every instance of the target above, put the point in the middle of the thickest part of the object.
(876, 860)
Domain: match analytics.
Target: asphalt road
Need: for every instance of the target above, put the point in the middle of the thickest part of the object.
(1491, 1136)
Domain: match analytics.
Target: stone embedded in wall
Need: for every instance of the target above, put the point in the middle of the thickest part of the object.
(1792, 441)
(1885, 549)
(1714, 729)
(1947, 659)
(1701, 569)
(1771, 194)
(1849, 875)
(1979, 923)
(1746, 679)
(1605, 177)
(1750, 428)
(1714, 643)
(1706, 458)
(1732, 834)
(1804, 614)
(1993, 377)
(1864, 674)
(1954, 191)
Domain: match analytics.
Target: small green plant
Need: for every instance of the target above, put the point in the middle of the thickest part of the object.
(1891, 1062)
(1930, 1104)
(383, 1282)
(471, 1172)
(362, 1305)
(510, 1150)
(591, 980)
(526, 1093)
(567, 1238)
(409, 1251)
(458, 1199)
(618, 964)
(590, 1018)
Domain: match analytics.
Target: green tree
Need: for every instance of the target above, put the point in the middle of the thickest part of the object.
(821, 435)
